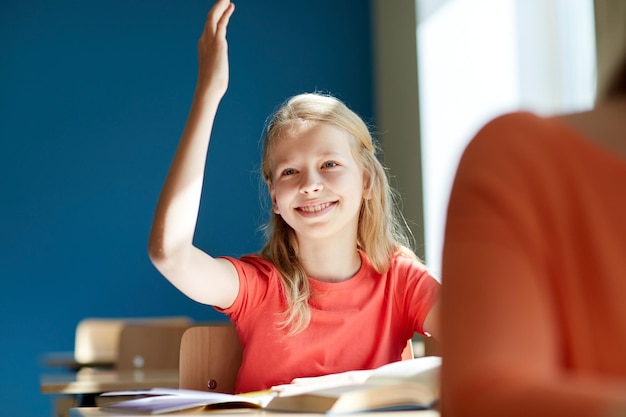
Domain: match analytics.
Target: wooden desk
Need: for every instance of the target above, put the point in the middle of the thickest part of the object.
(95, 412)
(82, 388)
(88, 381)
(66, 360)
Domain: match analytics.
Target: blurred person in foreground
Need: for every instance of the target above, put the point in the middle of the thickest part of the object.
(534, 261)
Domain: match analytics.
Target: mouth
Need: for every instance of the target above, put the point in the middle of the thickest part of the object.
(315, 208)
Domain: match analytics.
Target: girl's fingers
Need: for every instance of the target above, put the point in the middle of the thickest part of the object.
(216, 14)
(222, 23)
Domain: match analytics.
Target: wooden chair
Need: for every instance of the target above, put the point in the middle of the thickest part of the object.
(98, 341)
(150, 346)
(210, 357)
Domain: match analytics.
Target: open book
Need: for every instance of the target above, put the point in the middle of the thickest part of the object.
(408, 384)
(167, 400)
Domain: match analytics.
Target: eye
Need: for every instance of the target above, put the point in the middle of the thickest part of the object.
(329, 164)
(288, 171)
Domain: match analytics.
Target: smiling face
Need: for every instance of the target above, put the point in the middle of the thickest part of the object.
(316, 185)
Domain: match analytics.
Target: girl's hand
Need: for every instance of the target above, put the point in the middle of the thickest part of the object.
(213, 50)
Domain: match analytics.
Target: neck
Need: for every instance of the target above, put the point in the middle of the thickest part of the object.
(603, 125)
(330, 262)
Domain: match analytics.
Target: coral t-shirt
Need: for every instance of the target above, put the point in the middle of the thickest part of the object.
(360, 323)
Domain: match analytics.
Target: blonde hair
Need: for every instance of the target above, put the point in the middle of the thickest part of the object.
(381, 229)
(610, 28)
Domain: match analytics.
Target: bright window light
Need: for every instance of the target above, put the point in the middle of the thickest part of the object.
(481, 58)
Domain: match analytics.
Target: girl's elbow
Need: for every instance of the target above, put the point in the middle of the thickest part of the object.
(155, 249)
(168, 260)
(432, 323)
(158, 254)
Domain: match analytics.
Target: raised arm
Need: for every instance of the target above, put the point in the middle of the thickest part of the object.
(171, 250)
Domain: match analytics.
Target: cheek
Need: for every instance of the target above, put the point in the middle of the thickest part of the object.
(354, 183)
(280, 197)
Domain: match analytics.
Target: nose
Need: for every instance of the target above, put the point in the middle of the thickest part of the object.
(311, 183)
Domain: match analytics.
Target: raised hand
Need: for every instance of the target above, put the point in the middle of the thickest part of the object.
(213, 50)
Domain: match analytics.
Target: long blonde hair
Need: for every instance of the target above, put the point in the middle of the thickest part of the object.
(381, 228)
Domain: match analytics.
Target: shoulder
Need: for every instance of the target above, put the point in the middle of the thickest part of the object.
(259, 281)
(415, 289)
(515, 149)
(252, 262)
(513, 122)
(507, 134)
(405, 266)
(511, 179)
(401, 262)
(253, 267)
(405, 258)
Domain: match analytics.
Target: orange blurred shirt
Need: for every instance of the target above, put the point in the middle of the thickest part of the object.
(534, 274)
(361, 323)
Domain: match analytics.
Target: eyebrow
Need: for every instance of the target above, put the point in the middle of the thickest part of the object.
(276, 164)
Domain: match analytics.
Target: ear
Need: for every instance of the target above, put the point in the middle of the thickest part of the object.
(272, 192)
(367, 186)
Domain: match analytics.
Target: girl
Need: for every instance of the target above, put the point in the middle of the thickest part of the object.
(334, 289)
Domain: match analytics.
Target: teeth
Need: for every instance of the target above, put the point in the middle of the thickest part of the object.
(313, 209)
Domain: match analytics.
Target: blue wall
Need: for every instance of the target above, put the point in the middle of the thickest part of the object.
(94, 95)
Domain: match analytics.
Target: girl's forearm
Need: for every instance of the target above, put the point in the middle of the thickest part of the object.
(177, 209)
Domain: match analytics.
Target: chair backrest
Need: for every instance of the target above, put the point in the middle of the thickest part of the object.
(150, 346)
(97, 340)
(210, 357)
